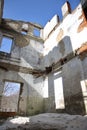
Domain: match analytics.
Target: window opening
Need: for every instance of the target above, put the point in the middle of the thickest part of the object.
(36, 32)
(10, 96)
(24, 29)
(84, 92)
(6, 45)
(24, 32)
(59, 96)
(45, 89)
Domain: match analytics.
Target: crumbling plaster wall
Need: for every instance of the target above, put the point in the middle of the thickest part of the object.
(31, 98)
(26, 47)
(73, 95)
(72, 73)
(17, 66)
(67, 36)
(60, 48)
(55, 48)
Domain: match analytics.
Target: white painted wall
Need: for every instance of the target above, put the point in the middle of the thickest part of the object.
(50, 25)
(69, 25)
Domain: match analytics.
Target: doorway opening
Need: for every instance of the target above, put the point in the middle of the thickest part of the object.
(10, 97)
(59, 95)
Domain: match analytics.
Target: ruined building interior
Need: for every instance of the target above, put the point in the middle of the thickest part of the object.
(44, 69)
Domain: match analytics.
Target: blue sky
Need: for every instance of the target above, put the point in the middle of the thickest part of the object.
(36, 11)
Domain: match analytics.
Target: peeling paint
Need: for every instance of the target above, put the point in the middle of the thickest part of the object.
(35, 59)
(82, 49)
(60, 35)
(83, 24)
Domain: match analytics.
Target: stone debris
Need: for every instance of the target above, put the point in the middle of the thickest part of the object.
(47, 121)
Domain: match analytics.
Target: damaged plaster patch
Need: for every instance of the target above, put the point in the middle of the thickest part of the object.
(25, 26)
(83, 24)
(62, 47)
(60, 35)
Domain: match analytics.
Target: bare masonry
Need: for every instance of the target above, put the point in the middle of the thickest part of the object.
(45, 72)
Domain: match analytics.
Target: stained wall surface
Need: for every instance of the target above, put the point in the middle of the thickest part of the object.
(63, 52)
(51, 67)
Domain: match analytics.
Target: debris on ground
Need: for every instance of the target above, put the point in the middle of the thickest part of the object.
(47, 121)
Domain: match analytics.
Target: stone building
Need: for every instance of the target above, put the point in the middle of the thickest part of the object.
(48, 63)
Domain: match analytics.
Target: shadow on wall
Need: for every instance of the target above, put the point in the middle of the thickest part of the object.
(32, 92)
(21, 46)
(31, 54)
(64, 85)
(60, 51)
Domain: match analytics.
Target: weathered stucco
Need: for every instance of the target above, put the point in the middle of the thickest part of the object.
(57, 57)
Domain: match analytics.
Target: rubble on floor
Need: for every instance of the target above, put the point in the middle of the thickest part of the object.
(47, 121)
